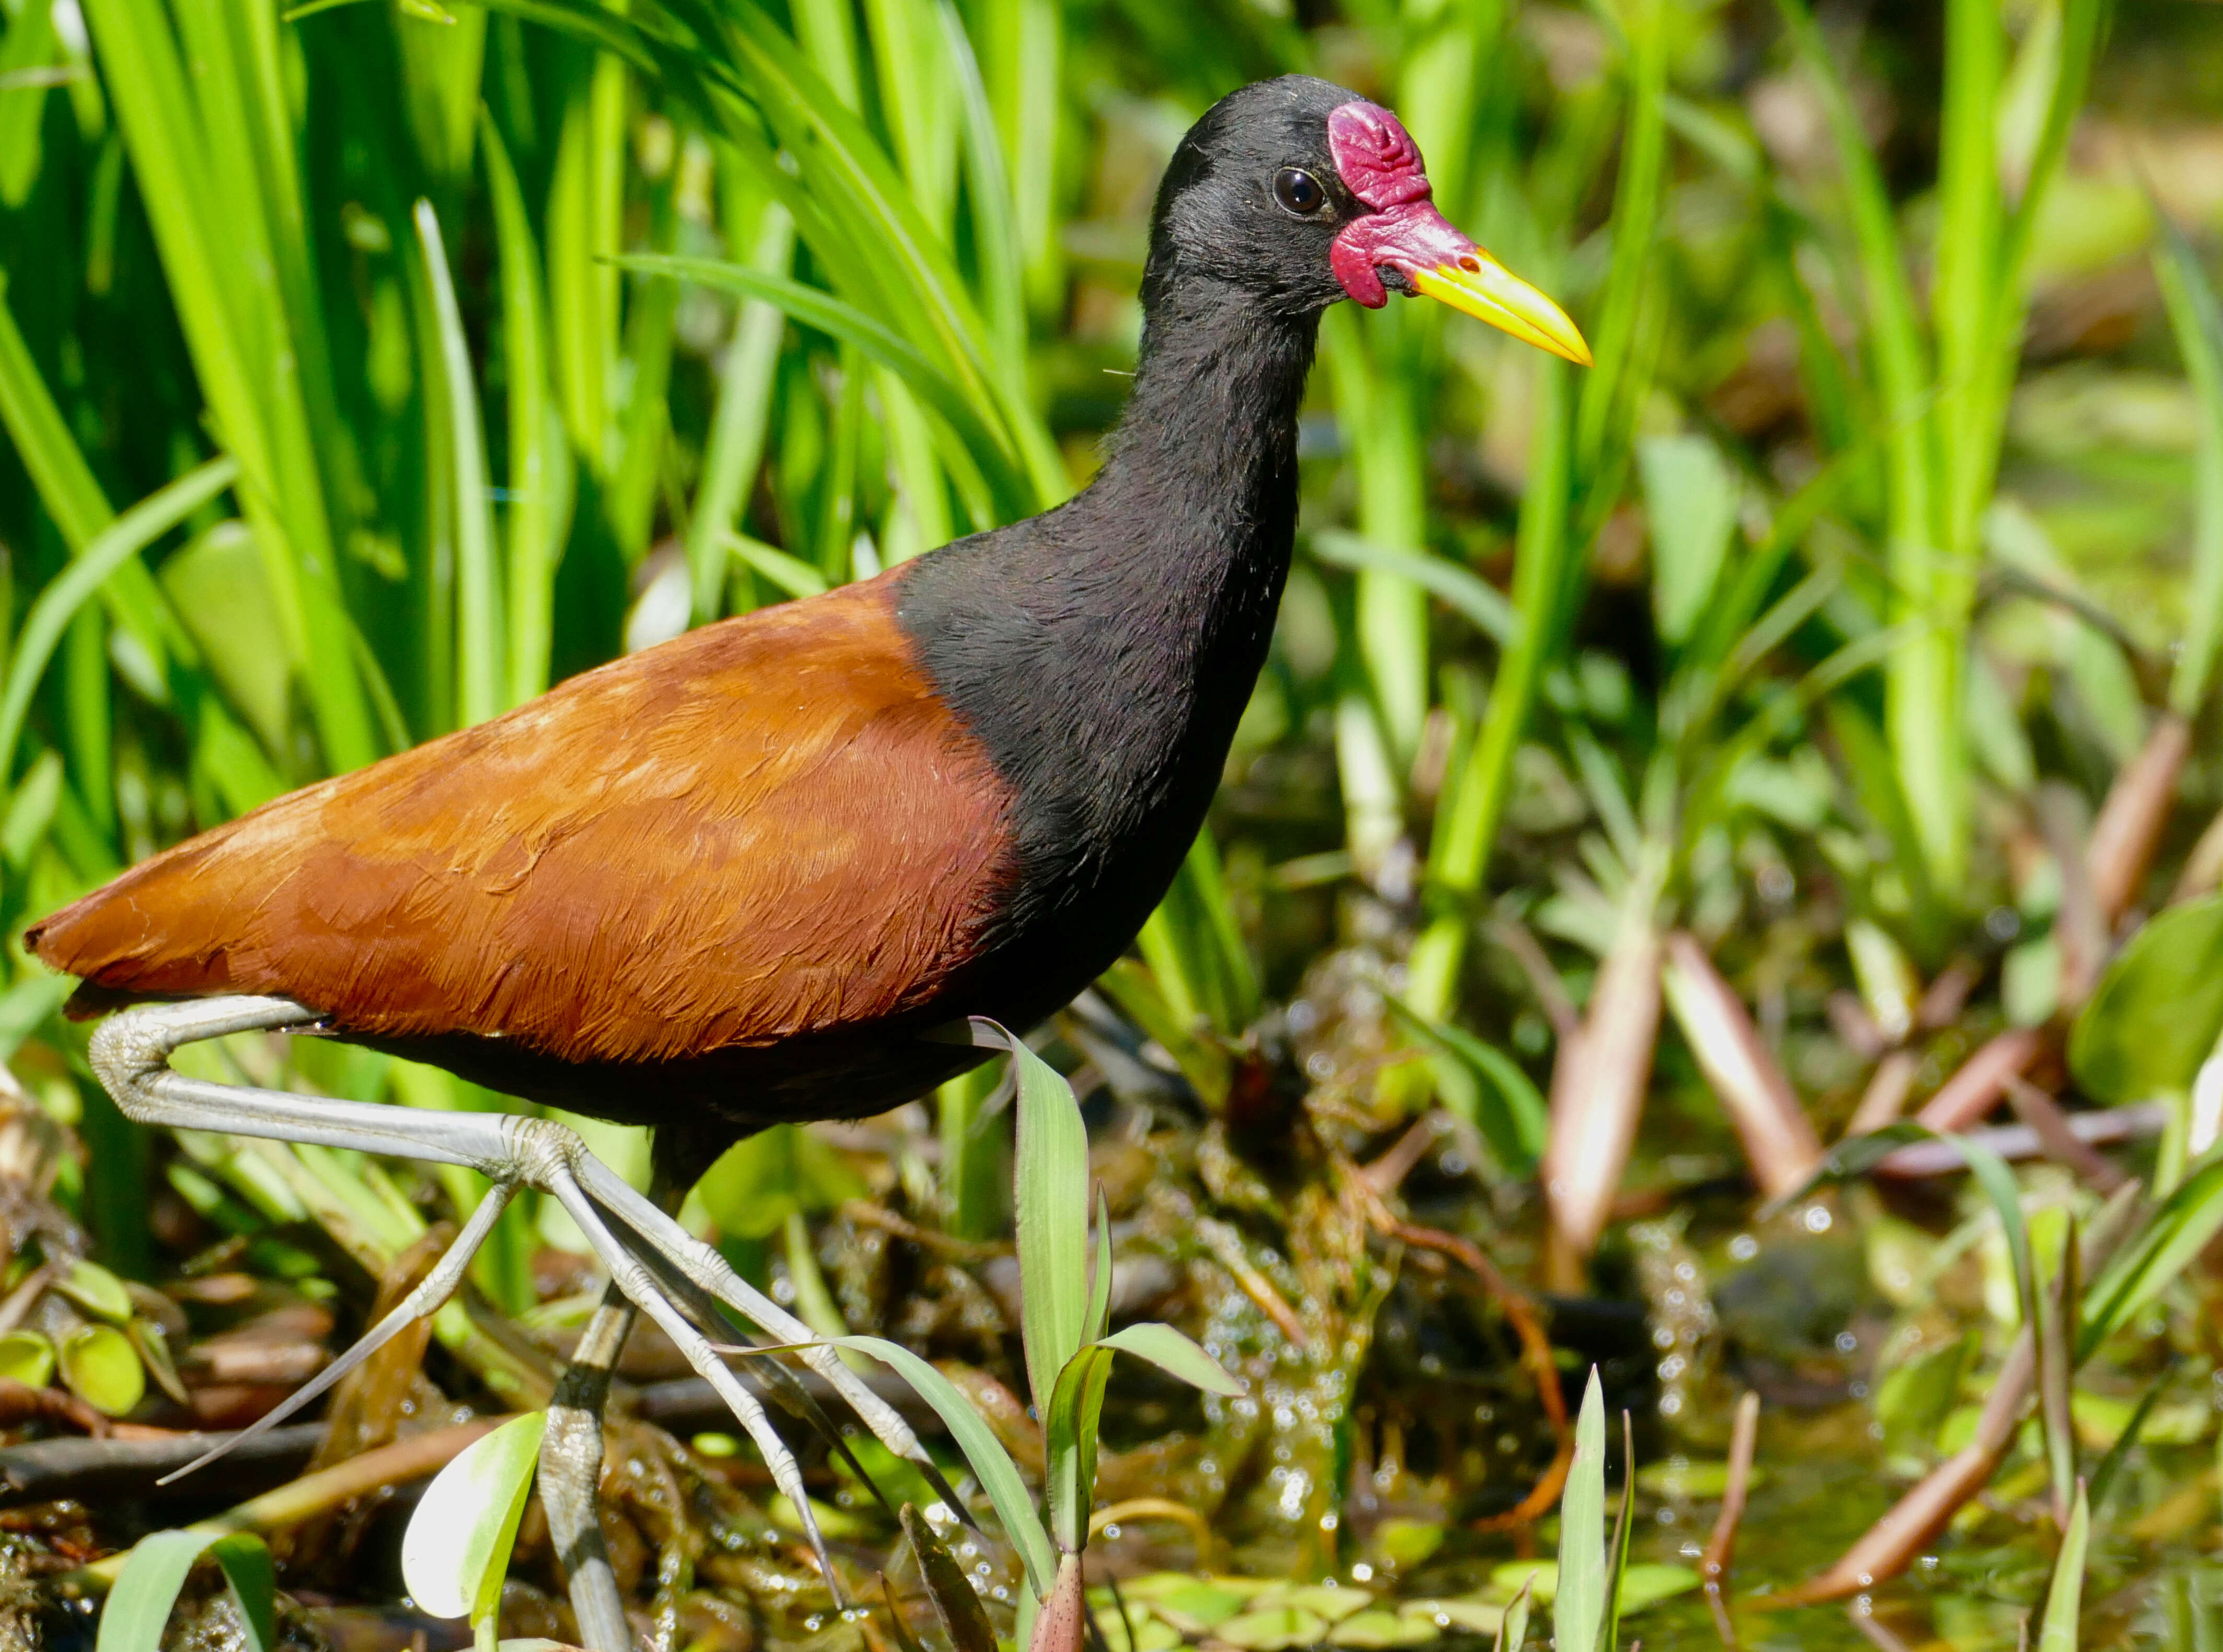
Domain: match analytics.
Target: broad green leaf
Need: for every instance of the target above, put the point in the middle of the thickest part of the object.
(991, 1464)
(102, 1368)
(2064, 1597)
(217, 583)
(455, 1552)
(97, 1290)
(137, 1609)
(1691, 503)
(1176, 1354)
(2157, 1010)
(27, 1357)
(1578, 1604)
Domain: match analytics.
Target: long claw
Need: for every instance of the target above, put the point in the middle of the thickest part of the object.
(434, 1289)
(633, 1278)
(781, 1385)
(702, 1264)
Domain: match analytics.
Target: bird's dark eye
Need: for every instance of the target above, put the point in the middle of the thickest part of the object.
(1299, 191)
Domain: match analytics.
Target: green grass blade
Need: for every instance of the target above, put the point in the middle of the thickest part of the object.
(1069, 1445)
(481, 675)
(137, 1609)
(744, 410)
(2197, 321)
(1052, 1183)
(539, 496)
(1474, 802)
(2064, 1596)
(1473, 598)
(853, 326)
(66, 487)
(51, 612)
(2180, 1230)
(1612, 388)
(990, 1463)
(1578, 1608)
(1175, 1354)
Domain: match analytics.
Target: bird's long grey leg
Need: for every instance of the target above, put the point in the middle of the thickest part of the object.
(572, 1472)
(130, 1053)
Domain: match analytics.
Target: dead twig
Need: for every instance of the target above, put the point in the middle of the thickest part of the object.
(1744, 1441)
(97, 1470)
(1527, 951)
(2132, 818)
(2057, 1134)
(374, 1471)
(864, 1211)
(1982, 1080)
(1778, 1138)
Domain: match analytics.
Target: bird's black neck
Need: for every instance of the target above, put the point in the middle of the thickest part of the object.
(1103, 652)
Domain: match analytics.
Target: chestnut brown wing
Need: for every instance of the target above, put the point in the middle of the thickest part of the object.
(766, 827)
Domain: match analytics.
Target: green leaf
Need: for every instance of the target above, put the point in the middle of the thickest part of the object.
(1100, 1283)
(1513, 1628)
(1052, 1188)
(991, 1464)
(1690, 502)
(1578, 1604)
(2158, 1011)
(2065, 1596)
(1069, 1432)
(1514, 1118)
(2180, 1230)
(455, 1552)
(138, 1607)
(97, 1290)
(955, 1601)
(1472, 597)
(28, 1357)
(2197, 321)
(102, 1368)
(1173, 1353)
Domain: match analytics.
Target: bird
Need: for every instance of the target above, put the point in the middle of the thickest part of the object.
(758, 873)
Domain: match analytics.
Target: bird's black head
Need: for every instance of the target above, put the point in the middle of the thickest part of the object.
(1299, 192)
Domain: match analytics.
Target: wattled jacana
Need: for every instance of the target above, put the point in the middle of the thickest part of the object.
(749, 874)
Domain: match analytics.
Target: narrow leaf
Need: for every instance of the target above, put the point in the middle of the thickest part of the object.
(1578, 1606)
(991, 1464)
(1173, 1353)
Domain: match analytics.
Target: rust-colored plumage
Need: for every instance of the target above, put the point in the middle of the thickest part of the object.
(766, 829)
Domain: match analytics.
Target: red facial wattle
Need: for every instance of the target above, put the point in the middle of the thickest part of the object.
(1381, 165)
(1402, 230)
